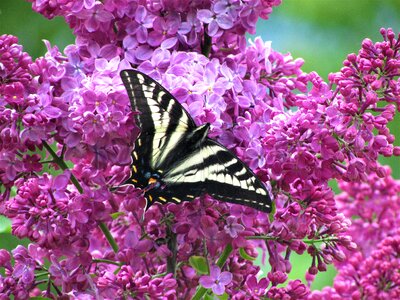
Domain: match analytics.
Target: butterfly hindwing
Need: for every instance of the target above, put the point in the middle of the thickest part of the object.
(229, 179)
(221, 174)
(174, 161)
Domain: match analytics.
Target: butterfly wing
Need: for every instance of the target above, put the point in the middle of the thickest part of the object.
(229, 179)
(162, 120)
(222, 175)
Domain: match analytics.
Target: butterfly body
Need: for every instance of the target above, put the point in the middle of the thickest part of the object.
(174, 160)
(152, 180)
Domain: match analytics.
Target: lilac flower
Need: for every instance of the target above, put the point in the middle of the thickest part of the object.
(230, 7)
(5, 259)
(216, 280)
(34, 130)
(157, 65)
(32, 163)
(132, 241)
(164, 33)
(215, 21)
(10, 164)
(14, 63)
(249, 15)
(134, 52)
(143, 22)
(232, 227)
(370, 277)
(190, 30)
(93, 127)
(95, 17)
(24, 268)
(95, 102)
(14, 93)
(106, 67)
(256, 155)
(257, 288)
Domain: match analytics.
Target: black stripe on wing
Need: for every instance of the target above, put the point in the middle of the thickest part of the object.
(157, 106)
(229, 179)
(213, 169)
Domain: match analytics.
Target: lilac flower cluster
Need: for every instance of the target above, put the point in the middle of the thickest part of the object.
(370, 272)
(144, 25)
(98, 240)
(372, 277)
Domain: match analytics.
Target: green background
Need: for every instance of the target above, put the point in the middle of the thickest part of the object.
(322, 32)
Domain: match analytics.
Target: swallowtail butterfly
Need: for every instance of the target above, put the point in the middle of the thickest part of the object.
(175, 161)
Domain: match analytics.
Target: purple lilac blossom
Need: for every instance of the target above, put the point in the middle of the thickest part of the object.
(293, 129)
(216, 281)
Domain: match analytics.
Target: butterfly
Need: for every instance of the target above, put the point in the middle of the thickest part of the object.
(174, 160)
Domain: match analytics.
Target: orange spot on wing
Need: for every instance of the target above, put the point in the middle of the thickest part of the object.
(152, 180)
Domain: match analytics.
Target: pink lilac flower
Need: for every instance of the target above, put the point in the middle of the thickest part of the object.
(142, 23)
(216, 281)
(158, 64)
(135, 52)
(190, 29)
(94, 17)
(255, 287)
(11, 165)
(164, 33)
(232, 227)
(215, 21)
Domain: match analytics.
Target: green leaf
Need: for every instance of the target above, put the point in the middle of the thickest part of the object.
(5, 225)
(199, 263)
(244, 255)
(116, 215)
(39, 298)
(209, 296)
(272, 213)
(224, 296)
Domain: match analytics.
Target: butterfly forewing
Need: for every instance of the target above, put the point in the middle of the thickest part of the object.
(162, 120)
(185, 168)
(154, 102)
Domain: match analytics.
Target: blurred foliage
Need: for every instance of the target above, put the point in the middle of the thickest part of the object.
(9, 241)
(5, 225)
(18, 18)
(322, 32)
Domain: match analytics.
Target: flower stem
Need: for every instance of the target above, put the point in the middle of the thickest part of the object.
(171, 260)
(108, 236)
(307, 241)
(261, 237)
(206, 46)
(224, 256)
(60, 162)
(321, 240)
(106, 261)
(201, 291)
